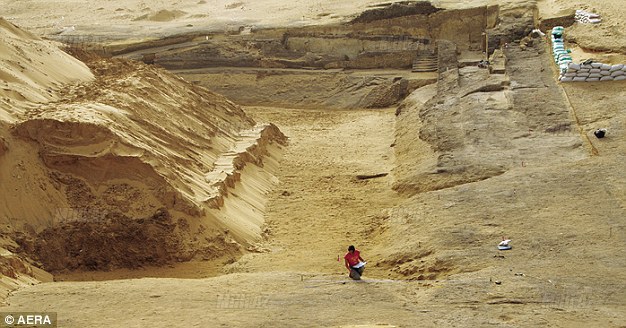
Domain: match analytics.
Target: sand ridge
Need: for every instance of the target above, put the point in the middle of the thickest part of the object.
(96, 157)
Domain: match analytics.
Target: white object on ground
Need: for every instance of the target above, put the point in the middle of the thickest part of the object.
(538, 31)
(504, 245)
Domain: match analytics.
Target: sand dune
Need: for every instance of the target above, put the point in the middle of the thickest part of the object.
(131, 145)
(31, 69)
(163, 15)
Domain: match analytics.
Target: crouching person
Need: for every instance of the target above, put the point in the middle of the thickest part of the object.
(354, 263)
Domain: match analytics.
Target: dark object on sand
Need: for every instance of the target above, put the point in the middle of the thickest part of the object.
(599, 133)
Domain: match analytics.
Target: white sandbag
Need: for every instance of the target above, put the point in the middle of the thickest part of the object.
(618, 73)
(575, 67)
(616, 67)
(606, 78)
(566, 79)
(583, 70)
(592, 79)
(586, 66)
(596, 65)
(605, 73)
(624, 68)
(606, 67)
(579, 79)
(585, 75)
(598, 75)
(595, 20)
(595, 70)
(619, 78)
(571, 74)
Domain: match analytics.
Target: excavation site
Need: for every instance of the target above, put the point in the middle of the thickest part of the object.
(321, 164)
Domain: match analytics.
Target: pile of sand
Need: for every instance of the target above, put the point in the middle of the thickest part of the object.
(130, 149)
(30, 69)
(163, 15)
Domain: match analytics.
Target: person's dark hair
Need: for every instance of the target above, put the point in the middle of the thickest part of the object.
(351, 248)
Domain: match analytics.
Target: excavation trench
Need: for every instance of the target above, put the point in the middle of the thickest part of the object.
(374, 62)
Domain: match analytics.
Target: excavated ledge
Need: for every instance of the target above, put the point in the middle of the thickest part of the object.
(466, 123)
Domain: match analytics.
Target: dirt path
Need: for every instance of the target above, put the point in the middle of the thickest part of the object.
(319, 206)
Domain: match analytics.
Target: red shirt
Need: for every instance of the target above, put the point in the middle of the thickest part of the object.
(353, 258)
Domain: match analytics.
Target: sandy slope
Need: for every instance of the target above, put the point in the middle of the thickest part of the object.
(46, 69)
(320, 207)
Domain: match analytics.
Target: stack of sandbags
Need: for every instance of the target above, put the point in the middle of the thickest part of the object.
(562, 56)
(587, 71)
(593, 72)
(586, 17)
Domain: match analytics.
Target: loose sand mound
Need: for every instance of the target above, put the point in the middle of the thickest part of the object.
(30, 69)
(163, 15)
(138, 157)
